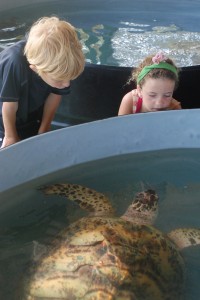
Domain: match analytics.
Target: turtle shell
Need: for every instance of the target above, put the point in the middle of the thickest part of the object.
(108, 258)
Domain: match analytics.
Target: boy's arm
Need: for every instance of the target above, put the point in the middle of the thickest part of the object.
(9, 110)
(50, 108)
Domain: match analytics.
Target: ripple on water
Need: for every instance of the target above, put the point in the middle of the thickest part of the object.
(132, 43)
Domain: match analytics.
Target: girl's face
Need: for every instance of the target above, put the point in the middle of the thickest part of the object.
(156, 93)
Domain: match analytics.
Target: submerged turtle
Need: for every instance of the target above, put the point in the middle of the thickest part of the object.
(103, 256)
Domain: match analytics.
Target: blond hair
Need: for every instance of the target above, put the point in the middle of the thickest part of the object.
(53, 48)
(154, 73)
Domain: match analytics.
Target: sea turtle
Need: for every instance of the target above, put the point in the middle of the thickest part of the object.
(103, 256)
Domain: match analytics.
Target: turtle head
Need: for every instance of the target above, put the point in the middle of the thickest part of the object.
(143, 209)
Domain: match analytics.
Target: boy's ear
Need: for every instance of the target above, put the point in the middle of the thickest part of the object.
(33, 67)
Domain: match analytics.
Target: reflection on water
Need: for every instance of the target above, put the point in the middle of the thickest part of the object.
(10, 32)
(96, 44)
(182, 46)
(27, 217)
(118, 32)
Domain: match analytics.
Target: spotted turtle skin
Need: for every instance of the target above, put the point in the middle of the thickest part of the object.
(103, 256)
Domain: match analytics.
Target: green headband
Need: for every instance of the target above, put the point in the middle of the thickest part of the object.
(161, 65)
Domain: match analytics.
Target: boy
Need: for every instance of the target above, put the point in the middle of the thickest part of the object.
(34, 74)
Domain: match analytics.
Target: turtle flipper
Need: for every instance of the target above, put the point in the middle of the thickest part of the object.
(185, 237)
(87, 199)
(143, 209)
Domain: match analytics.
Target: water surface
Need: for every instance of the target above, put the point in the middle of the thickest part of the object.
(117, 32)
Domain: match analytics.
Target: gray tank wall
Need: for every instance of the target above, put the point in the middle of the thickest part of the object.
(60, 149)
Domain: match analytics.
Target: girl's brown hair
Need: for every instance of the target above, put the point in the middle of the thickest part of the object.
(154, 73)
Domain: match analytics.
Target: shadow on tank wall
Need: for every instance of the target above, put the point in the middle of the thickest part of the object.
(97, 93)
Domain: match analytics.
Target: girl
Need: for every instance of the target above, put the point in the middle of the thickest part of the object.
(156, 78)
